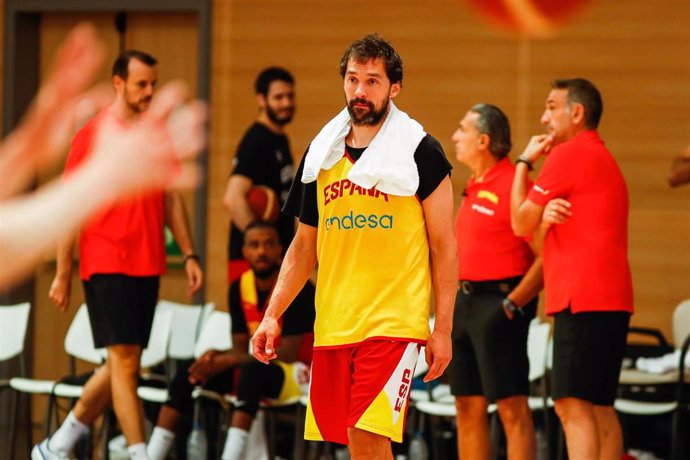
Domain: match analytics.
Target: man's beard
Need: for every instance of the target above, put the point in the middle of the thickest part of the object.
(273, 116)
(372, 117)
(266, 272)
(137, 106)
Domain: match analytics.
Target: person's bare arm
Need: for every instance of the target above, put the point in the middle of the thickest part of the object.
(438, 214)
(680, 170)
(61, 287)
(178, 221)
(212, 362)
(123, 162)
(235, 200)
(296, 269)
(530, 285)
(525, 216)
(45, 130)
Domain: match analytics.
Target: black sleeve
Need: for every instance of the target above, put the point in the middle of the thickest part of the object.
(301, 201)
(238, 322)
(432, 164)
(299, 317)
(249, 159)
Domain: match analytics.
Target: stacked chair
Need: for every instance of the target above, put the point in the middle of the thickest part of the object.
(639, 389)
(14, 320)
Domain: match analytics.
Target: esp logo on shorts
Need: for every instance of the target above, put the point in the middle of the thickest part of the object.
(403, 390)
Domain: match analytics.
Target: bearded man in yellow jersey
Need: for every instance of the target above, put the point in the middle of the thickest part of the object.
(375, 206)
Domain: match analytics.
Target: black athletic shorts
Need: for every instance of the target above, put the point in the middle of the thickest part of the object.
(489, 350)
(588, 350)
(121, 308)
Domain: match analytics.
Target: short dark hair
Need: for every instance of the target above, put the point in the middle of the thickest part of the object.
(121, 64)
(268, 76)
(257, 224)
(583, 92)
(373, 47)
(494, 123)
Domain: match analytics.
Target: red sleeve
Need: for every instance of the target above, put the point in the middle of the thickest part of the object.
(555, 180)
(81, 144)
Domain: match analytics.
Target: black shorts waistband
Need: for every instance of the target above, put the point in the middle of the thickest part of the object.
(502, 286)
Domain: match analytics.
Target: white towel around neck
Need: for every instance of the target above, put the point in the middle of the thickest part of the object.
(387, 164)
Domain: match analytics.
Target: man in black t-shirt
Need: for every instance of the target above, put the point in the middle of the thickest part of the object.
(215, 370)
(263, 158)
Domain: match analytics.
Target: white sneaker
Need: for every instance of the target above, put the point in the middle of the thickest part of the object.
(117, 448)
(42, 452)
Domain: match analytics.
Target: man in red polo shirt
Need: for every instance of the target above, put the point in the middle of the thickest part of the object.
(581, 200)
(122, 255)
(500, 278)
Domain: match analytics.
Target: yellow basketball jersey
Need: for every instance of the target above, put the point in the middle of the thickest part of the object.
(373, 254)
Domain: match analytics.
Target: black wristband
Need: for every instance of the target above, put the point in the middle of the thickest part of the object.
(191, 256)
(522, 159)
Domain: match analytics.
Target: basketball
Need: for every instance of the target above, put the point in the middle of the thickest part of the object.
(533, 18)
(264, 203)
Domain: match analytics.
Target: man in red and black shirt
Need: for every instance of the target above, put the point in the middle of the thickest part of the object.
(500, 278)
(235, 370)
(581, 200)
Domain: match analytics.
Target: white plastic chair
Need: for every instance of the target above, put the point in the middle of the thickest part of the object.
(13, 324)
(214, 335)
(14, 320)
(539, 346)
(157, 349)
(185, 327)
(681, 330)
(678, 407)
(79, 339)
(78, 343)
(681, 323)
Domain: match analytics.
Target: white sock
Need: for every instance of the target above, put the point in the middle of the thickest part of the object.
(138, 451)
(67, 435)
(160, 442)
(235, 444)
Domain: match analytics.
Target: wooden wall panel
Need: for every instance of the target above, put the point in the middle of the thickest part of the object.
(634, 50)
(220, 159)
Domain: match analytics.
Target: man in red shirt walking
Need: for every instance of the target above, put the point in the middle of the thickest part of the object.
(121, 257)
(581, 201)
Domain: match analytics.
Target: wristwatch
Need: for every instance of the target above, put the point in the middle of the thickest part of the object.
(511, 307)
(524, 159)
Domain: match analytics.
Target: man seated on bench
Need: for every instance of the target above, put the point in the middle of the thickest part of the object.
(216, 370)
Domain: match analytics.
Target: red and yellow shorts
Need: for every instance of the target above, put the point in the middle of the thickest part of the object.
(365, 386)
